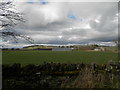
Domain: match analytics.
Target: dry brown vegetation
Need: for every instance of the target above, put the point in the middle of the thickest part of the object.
(89, 78)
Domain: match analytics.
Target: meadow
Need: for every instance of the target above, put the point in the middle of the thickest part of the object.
(38, 57)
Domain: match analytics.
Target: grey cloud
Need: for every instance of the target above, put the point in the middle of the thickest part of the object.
(46, 23)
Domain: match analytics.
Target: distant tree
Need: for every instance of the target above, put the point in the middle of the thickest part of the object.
(9, 18)
(71, 46)
(12, 49)
(67, 46)
(62, 46)
(94, 46)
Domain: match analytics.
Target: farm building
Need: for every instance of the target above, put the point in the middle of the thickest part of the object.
(99, 49)
(62, 49)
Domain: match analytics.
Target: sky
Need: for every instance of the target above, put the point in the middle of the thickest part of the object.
(50, 22)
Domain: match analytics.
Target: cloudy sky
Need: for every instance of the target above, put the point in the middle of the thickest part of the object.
(68, 22)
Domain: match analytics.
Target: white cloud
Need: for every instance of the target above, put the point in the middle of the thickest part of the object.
(49, 23)
(71, 0)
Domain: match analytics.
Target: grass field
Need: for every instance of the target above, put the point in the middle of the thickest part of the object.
(38, 57)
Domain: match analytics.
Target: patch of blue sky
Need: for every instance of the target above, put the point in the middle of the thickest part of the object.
(70, 15)
(43, 2)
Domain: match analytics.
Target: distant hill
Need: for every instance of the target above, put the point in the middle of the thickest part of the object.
(75, 47)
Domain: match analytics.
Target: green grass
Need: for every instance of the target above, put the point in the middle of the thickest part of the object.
(38, 57)
(112, 49)
(0, 57)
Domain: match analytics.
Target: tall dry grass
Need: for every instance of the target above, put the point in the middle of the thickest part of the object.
(89, 78)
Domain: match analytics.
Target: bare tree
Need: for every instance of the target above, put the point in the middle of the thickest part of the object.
(9, 18)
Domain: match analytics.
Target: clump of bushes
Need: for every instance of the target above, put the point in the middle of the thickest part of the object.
(57, 75)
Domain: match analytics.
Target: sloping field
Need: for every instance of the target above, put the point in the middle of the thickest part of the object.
(38, 57)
